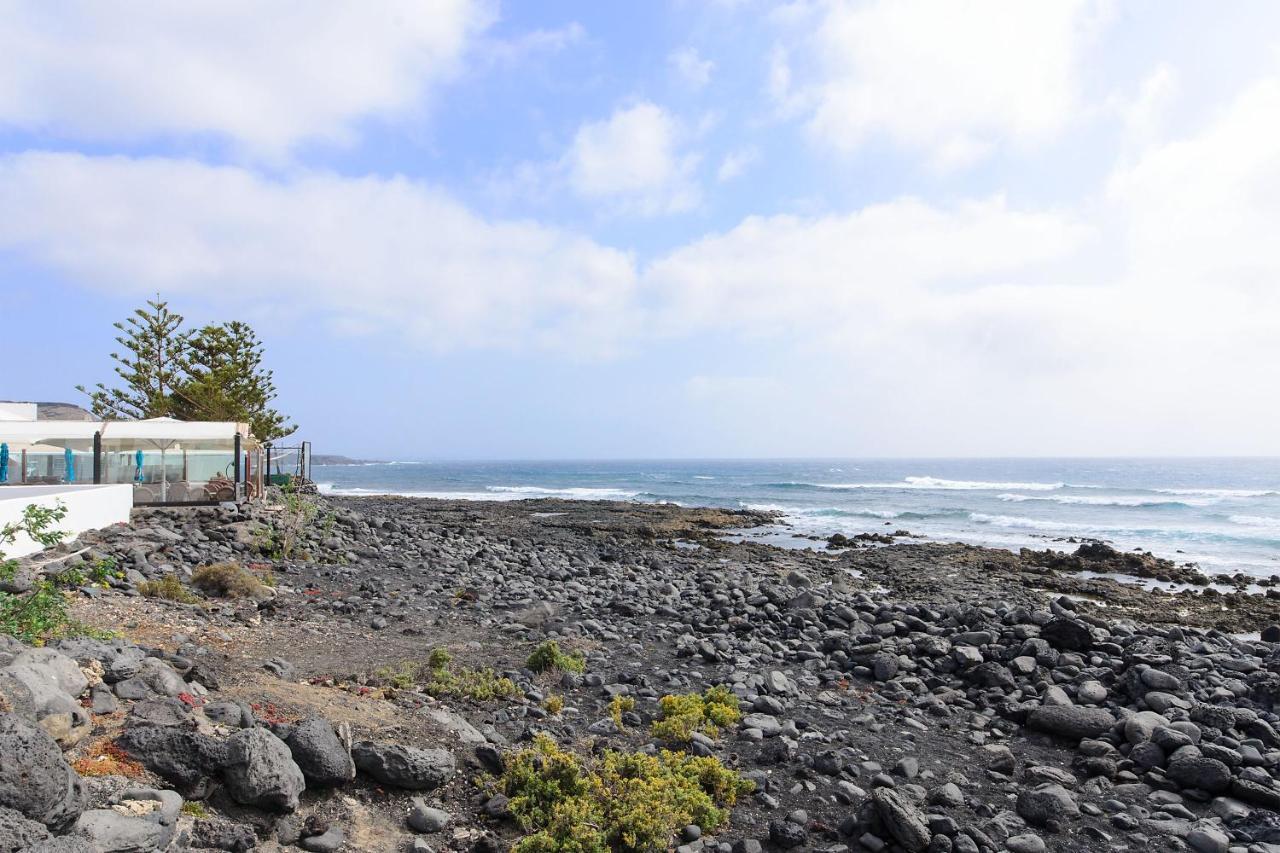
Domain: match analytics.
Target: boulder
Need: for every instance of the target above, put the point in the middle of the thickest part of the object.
(187, 759)
(1198, 771)
(1043, 803)
(1068, 635)
(404, 766)
(35, 780)
(18, 832)
(64, 671)
(260, 771)
(1071, 721)
(321, 755)
(904, 821)
(113, 832)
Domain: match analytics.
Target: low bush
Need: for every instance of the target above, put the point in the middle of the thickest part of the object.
(628, 802)
(708, 712)
(547, 656)
(226, 580)
(195, 809)
(482, 685)
(553, 705)
(439, 678)
(168, 588)
(618, 706)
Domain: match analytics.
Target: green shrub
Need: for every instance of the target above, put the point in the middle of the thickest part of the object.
(682, 715)
(438, 678)
(41, 613)
(553, 705)
(482, 685)
(401, 676)
(226, 580)
(168, 588)
(439, 658)
(547, 656)
(627, 802)
(195, 809)
(618, 706)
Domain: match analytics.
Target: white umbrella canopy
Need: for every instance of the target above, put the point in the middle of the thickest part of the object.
(162, 434)
(77, 435)
(165, 434)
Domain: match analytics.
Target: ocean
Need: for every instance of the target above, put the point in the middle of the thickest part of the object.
(1223, 514)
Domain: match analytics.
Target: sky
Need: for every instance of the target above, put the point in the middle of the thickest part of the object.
(680, 228)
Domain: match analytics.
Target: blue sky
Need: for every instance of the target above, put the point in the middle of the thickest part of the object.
(472, 229)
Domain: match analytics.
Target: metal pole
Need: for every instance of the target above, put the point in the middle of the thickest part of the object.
(236, 480)
(97, 458)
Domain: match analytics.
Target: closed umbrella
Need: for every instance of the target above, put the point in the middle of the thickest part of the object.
(71, 465)
(137, 465)
(4, 462)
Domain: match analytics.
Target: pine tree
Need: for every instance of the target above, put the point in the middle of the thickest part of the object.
(151, 366)
(225, 381)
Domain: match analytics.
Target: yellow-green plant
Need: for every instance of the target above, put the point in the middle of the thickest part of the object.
(547, 656)
(618, 706)
(440, 678)
(168, 588)
(627, 802)
(553, 705)
(226, 580)
(708, 712)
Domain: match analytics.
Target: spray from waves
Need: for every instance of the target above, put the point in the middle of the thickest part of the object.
(1256, 521)
(1222, 493)
(1112, 500)
(581, 493)
(839, 512)
(491, 493)
(929, 483)
(356, 492)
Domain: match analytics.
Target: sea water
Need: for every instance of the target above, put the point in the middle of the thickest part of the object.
(1223, 514)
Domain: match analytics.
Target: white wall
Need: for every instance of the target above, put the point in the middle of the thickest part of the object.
(88, 507)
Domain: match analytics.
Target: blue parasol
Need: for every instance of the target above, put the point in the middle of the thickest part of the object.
(137, 464)
(4, 462)
(71, 465)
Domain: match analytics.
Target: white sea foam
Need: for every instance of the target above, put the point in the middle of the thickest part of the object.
(1021, 523)
(493, 493)
(702, 477)
(939, 484)
(1221, 493)
(577, 492)
(1108, 500)
(822, 512)
(1256, 520)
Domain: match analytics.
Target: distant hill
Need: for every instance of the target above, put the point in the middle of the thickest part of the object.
(334, 459)
(62, 412)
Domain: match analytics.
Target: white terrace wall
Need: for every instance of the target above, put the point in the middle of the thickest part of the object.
(88, 507)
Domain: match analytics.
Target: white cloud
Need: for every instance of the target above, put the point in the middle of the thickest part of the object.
(1144, 115)
(787, 275)
(635, 161)
(534, 43)
(948, 80)
(389, 255)
(1142, 319)
(264, 74)
(735, 163)
(691, 68)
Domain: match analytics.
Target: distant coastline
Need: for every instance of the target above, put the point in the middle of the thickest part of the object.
(335, 459)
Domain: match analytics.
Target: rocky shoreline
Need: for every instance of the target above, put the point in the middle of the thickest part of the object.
(363, 679)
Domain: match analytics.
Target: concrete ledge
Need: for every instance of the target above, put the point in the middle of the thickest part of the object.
(88, 508)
